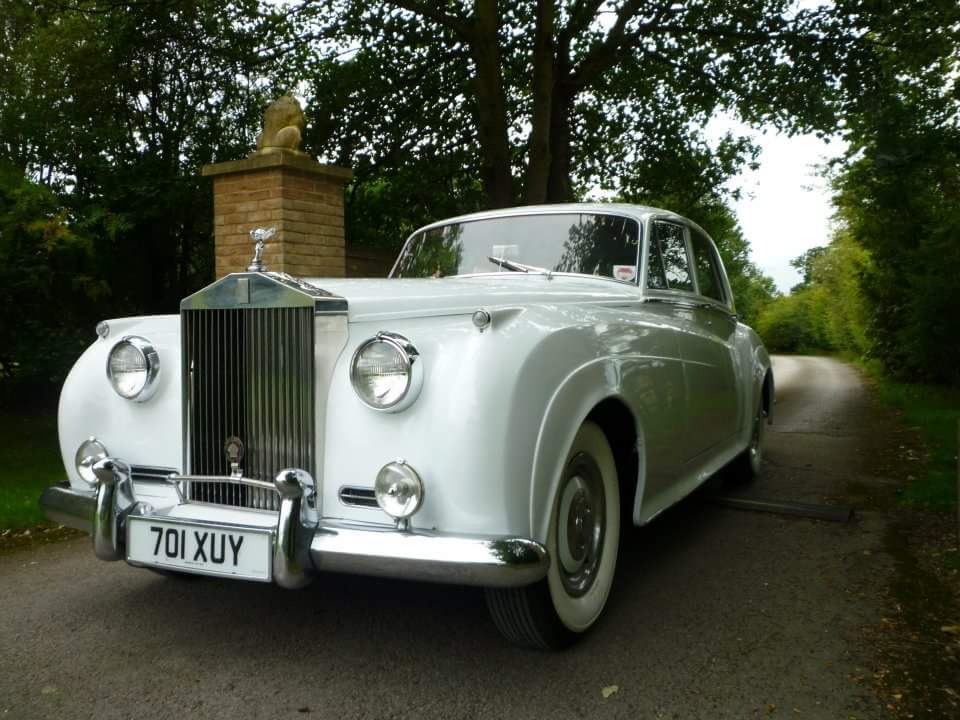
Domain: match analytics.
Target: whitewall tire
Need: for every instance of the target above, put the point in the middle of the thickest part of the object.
(583, 541)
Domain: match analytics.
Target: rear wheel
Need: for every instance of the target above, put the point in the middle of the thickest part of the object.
(748, 464)
(583, 540)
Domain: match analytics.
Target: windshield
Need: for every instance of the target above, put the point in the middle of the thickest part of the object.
(589, 243)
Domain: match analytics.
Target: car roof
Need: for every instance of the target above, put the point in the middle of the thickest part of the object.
(638, 212)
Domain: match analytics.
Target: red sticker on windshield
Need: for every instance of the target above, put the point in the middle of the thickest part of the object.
(627, 273)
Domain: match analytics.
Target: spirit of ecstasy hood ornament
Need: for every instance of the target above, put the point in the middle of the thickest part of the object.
(259, 237)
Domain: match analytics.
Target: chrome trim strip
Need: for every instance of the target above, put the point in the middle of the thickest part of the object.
(689, 304)
(430, 556)
(227, 491)
(264, 290)
(150, 473)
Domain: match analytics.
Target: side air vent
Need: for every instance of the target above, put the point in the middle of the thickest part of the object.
(358, 496)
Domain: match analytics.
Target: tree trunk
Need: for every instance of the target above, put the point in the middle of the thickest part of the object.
(559, 189)
(491, 105)
(538, 164)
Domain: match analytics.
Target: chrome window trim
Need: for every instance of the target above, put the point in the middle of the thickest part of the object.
(698, 302)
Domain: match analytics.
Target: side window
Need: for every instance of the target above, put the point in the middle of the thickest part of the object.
(656, 279)
(669, 265)
(708, 273)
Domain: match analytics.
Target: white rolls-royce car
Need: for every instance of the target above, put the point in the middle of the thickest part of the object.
(526, 383)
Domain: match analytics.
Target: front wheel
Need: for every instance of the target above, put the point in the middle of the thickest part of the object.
(583, 540)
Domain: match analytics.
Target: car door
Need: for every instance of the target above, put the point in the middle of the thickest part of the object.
(671, 283)
(716, 412)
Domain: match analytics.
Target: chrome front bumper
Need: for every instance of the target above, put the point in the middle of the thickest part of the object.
(303, 543)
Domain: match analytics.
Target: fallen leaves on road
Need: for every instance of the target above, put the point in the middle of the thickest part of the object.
(609, 690)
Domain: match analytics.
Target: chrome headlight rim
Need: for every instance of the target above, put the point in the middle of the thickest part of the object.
(151, 360)
(89, 452)
(412, 362)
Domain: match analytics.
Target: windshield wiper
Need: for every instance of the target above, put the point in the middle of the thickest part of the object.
(516, 266)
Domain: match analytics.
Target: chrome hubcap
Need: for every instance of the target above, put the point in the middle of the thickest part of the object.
(580, 524)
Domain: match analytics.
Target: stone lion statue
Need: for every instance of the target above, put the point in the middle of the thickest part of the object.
(283, 124)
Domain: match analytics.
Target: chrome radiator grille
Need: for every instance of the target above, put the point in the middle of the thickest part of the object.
(247, 373)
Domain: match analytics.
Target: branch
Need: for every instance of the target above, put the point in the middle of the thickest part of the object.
(581, 15)
(454, 22)
(603, 54)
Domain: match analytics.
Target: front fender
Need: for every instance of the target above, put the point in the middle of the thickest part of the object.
(581, 391)
(146, 433)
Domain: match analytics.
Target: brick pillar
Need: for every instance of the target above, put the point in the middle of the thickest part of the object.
(287, 190)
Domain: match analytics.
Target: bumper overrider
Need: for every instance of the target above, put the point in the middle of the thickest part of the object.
(303, 543)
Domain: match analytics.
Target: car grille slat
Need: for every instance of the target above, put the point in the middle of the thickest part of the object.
(247, 372)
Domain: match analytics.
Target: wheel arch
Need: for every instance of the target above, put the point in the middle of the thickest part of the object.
(592, 392)
(767, 396)
(620, 427)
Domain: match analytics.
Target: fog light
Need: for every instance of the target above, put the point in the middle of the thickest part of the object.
(89, 454)
(398, 489)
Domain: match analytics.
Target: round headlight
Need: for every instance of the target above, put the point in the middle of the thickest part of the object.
(89, 454)
(398, 489)
(387, 372)
(132, 367)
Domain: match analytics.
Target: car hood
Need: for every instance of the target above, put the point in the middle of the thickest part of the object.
(375, 299)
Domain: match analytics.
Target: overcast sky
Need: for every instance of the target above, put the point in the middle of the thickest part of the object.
(785, 207)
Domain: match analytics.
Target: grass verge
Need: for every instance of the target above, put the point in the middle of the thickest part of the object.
(29, 462)
(934, 412)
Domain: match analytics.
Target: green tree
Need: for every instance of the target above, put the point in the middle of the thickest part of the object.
(804, 265)
(897, 195)
(108, 110)
(49, 286)
(556, 95)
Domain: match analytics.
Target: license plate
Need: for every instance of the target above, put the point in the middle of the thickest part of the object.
(200, 548)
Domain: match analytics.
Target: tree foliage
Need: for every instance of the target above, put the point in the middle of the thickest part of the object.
(554, 96)
(826, 312)
(108, 110)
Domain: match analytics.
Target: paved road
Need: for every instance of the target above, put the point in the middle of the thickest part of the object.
(717, 613)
